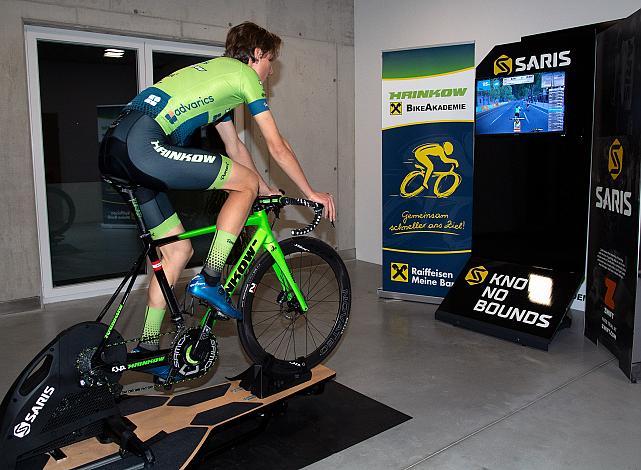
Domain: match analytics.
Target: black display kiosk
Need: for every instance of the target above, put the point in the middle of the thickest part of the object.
(534, 112)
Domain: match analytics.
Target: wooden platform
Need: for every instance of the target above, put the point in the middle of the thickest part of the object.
(176, 427)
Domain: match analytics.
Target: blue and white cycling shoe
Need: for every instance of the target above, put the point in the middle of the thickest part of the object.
(216, 296)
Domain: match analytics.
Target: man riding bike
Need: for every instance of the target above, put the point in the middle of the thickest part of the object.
(149, 145)
(517, 111)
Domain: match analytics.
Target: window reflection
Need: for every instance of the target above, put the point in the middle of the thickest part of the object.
(81, 91)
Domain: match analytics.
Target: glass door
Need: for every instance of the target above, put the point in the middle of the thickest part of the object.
(78, 83)
(82, 89)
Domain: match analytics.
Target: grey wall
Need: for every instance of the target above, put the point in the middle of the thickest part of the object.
(312, 96)
(381, 25)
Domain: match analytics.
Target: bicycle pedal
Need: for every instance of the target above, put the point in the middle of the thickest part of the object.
(161, 384)
(220, 316)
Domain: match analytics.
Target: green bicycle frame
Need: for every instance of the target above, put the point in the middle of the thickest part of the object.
(262, 239)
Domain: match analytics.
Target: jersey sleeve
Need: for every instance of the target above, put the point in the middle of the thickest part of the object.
(253, 92)
(224, 118)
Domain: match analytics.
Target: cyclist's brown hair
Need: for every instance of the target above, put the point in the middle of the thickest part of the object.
(242, 39)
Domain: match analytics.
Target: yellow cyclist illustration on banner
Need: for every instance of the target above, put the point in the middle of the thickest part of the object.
(425, 170)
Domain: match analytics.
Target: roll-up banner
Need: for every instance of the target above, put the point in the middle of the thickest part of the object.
(428, 133)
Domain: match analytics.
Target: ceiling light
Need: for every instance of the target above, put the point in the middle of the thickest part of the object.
(114, 53)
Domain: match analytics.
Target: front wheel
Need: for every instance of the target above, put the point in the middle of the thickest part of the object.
(273, 322)
(410, 190)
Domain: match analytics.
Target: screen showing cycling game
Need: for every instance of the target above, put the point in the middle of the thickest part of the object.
(521, 104)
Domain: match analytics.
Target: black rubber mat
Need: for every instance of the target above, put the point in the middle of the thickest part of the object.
(311, 429)
(222, 413)
(171, 452)
(199, 396)
(135, 404)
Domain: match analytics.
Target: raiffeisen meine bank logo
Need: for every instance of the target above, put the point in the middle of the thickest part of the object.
(476, 275)
(503, 64)
(399, 272)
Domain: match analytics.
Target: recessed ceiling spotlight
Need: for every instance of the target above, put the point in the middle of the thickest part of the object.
(118, 53)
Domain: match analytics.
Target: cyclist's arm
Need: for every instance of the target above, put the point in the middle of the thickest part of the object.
(282, 152)
(237, 151)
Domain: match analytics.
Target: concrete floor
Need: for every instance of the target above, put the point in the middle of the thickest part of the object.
(477, 402)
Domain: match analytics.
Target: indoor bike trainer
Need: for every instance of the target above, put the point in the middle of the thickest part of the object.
(67, 409)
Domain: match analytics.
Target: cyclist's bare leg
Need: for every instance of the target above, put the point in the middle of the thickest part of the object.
(175, 257)
(242, 187)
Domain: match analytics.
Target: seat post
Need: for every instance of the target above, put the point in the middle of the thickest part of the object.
(135, 207)
(126, 190)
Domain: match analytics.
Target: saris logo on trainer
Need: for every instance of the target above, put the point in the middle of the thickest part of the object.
(494, 298)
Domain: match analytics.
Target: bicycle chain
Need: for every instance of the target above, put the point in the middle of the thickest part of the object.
(138, 340)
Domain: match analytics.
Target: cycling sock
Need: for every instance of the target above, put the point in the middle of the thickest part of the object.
(209, 279)
(151, 330)
(220, 248)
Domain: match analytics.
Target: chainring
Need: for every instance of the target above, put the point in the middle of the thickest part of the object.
(185, 363)
(184, 340)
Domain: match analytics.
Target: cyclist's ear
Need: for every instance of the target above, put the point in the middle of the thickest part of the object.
(257, 54)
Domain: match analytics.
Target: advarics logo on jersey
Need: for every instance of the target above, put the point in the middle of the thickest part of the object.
(171, 117)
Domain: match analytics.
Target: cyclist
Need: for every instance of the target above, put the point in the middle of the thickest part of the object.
(517, 112)
(149, 145)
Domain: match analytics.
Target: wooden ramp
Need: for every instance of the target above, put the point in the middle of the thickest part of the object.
(176, 427)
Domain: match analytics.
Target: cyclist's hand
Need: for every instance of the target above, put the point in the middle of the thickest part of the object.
(269, 191)
(327, 200)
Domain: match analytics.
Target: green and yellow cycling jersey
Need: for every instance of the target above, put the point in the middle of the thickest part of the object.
(200, 94)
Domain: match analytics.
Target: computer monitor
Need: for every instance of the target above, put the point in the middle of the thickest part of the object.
(528, 103)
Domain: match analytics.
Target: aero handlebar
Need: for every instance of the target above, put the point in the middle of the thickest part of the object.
(277, 202)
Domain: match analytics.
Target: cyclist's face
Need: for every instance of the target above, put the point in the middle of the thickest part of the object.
(262, 65)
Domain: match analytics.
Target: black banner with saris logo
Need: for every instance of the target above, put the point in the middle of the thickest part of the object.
(612, 302)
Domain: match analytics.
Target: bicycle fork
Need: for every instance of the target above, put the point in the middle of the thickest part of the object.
(265, 238)
(287, 282)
